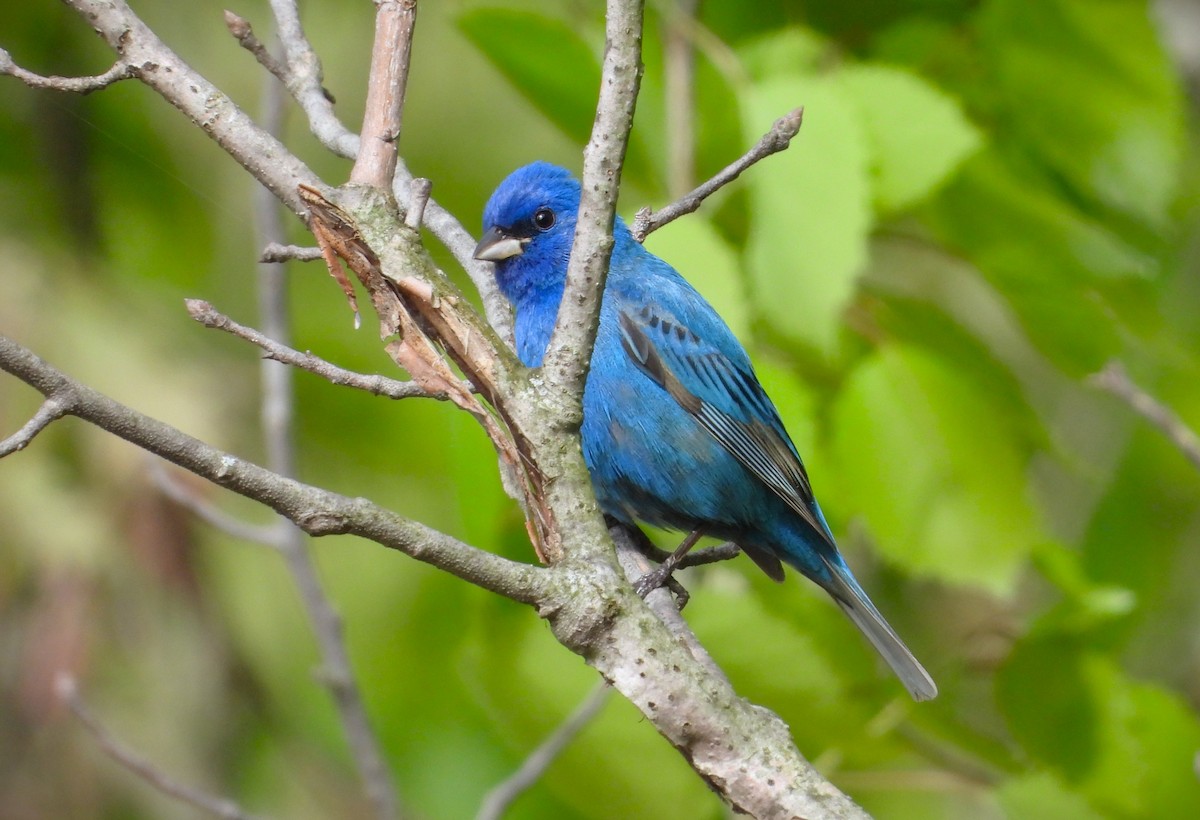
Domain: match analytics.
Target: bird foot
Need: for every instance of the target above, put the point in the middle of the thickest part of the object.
(653, 580)
(659, 578)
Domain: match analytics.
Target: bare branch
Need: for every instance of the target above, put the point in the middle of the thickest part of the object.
(51, 411)
(183, 495)
(304, 81)
(276, 252)
(121, 70)
(204, 313)
(418, 199)
(1115, 380)
(386, 85)
(696, 558)
(68, 692)
(569, 351)
(711, 555)
(240, 28)
(315, 510)
(774, 141)
(496, 802)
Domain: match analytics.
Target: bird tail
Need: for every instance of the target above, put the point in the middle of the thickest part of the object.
(855, 603)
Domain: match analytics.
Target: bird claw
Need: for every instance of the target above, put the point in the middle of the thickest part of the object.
(652, 580)
(659, 578)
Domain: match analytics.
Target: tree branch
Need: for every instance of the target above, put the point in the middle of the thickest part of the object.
(243, 32)
(376, 162)
(461, 244)
(68, 692)
(183, 495)
(418, 200)
(1115, 380)
(276, 252)
(121, 70)
(315, 510)
(774, 141)
(496, 802)
(204, 313)
(679, 76)
(304, 81)
(51, 411)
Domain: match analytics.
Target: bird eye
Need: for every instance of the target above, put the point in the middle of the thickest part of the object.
(543, 220)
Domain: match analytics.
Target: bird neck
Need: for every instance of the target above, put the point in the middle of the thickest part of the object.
(536, 315)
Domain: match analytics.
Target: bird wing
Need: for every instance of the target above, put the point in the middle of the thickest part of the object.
(724, 397)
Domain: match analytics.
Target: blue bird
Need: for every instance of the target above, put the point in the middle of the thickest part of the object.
(677, 431)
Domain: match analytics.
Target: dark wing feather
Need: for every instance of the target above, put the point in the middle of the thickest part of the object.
(727, 401)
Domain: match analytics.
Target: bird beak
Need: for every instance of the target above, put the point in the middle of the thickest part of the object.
(496, 246)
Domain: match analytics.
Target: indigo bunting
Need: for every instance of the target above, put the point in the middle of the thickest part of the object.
(677, 431)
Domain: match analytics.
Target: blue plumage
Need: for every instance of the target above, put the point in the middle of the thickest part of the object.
(677, 431)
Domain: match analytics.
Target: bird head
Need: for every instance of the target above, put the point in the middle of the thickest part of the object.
(528, 228)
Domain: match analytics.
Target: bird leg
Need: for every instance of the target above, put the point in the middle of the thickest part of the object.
(653, 580)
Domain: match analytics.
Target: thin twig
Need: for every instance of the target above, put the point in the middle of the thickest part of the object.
(68, 692)
(698, 558)
(1115, 380)
(121, 70)
(377, 385)
(304, 81)
(52, 410)
(276, 252)
(241, 29)
(386, 85)
(496, 802)
(183, 495)
(774, 141)
(418, 199)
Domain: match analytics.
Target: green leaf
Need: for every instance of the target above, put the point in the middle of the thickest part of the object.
(1128, 747)
(1042, 796)
(937, 474)
(810, 211)
(1042, 254)
(545, 59)
(934, 328)
(1088, 87)
(918, 134)
(1086, 605)
(785, 52)
(1057, 241)
(1043, 692)
(550, 64)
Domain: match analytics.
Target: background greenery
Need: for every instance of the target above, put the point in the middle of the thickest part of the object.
(987, 201)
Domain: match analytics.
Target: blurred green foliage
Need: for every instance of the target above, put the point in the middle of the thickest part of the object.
(987, 201)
